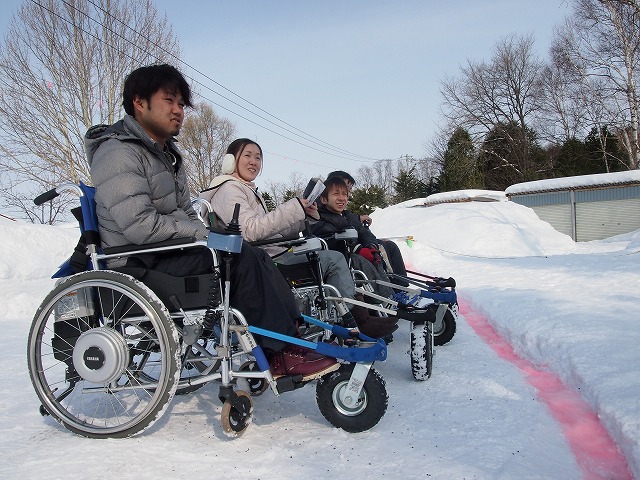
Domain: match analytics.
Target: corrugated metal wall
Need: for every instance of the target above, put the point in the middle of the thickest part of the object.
(599, 212)
(598, 220)
(538, 199)
(559, 216)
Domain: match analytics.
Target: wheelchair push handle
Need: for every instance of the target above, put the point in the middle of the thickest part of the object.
(46, 197)
(54, 192)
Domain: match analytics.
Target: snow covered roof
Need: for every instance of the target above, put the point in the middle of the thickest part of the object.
(465, 196)
(455, 196)
(579, 182)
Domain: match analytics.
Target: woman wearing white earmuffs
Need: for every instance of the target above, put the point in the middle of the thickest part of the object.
(240, 167)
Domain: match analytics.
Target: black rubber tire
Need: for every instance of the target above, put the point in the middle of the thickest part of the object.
(421, 351)
(370, 407)
(234, 422)
(129, 391)
(448, 330)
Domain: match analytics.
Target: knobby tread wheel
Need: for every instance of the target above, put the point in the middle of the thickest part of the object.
(367, 411)
(421, 351)
(103, 355)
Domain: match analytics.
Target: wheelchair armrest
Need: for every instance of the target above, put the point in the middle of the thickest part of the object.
(346, 234)
(312, 244)
(147, 246)
(282, 241)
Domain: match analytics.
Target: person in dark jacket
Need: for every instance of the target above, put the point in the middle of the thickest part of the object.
(396, 262)
(334, 218)
(142, 197)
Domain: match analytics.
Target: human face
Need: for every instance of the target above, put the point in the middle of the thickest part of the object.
(162, 116)
(249, 164)
(336, 200)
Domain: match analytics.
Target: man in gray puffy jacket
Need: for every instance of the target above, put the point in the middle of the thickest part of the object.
(142, 197)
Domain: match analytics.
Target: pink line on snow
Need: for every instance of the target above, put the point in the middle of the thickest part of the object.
(596, 453)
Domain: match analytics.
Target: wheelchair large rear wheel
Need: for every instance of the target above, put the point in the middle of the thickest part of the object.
(103, 355)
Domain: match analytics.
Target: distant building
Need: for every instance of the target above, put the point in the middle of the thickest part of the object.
(586, 207)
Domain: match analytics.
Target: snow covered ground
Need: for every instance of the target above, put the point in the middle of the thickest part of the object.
(541, 381)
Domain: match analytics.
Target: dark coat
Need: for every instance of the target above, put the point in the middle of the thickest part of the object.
(331, 222)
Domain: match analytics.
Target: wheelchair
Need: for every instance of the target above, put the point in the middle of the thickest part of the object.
(324, 301)
(108, 348)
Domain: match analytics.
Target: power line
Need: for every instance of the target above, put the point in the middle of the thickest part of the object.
(311, 138)
(206, 98)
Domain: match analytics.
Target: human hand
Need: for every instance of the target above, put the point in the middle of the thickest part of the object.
(310, 209)
(366, 220)
(372, 254)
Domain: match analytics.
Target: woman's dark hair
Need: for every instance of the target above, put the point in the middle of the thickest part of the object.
(145, 81)
(236, 147)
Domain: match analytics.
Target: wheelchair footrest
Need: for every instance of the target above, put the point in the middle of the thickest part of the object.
(289, 383)
(407, 312)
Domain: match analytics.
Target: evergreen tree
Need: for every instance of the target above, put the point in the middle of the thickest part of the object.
(432, 187)
(408, 186)
(459, 167)
(288, 195)
(573, 158)
(363, 201)
(509, 155)
(604, 151)
(271, 205)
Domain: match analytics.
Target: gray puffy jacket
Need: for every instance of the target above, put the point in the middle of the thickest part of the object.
(141, 191)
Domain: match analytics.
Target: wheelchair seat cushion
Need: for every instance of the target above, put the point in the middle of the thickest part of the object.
(192, 291)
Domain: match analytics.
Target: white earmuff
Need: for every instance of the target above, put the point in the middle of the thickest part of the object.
(228, 164)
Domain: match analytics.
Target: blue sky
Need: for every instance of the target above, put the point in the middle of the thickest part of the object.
(361, 76)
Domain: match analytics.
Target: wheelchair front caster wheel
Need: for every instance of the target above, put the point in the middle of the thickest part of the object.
(444, 331)
(236, 419)
(355, 416)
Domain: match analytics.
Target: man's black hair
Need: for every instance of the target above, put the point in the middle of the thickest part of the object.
(145, 81)
(343, 175)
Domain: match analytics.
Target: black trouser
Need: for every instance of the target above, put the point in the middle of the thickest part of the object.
(258, 290)
(396, 260)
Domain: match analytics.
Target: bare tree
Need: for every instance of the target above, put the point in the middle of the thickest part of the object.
(282, 191)
(502, 91)
(204, 139)
(600, 45)
(381, 174)
(563, 109)
(62, 65)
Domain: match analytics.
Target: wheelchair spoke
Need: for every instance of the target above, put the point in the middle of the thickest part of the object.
(110, 346)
